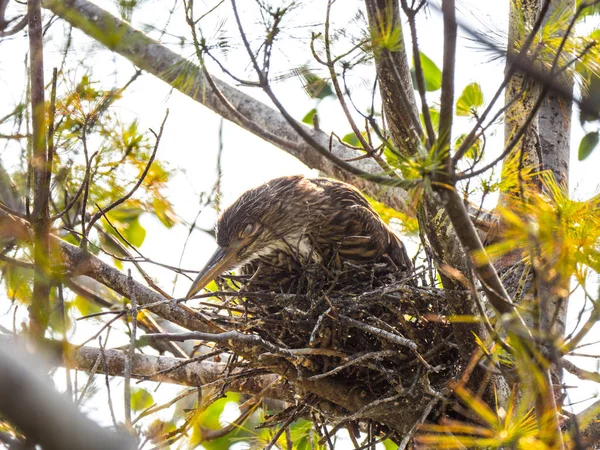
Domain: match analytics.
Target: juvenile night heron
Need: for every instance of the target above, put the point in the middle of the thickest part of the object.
(301, 219)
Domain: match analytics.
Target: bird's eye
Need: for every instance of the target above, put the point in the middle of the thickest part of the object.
(247, 231)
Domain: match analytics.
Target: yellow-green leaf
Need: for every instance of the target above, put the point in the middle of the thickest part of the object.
(309, 117)
(84, 306)
(140, 399)
(470, 99)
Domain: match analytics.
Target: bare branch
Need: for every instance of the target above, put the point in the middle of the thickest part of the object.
(580, 373)
(42, 169)
(393, 72)
(165, 369)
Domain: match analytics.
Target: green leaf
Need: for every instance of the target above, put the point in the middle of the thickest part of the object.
(474, 152)
(470, 99)
(85, 90)
(84, 306)
(589, 10)
(431, 73)
(308, 118)
(434, 115)
(124, 214)
(135, 233)
(126, 8)
(389, 445)
(70, 239)
(140, 399)
(164, 211)
(126, 221)
(18, 283)
(300, 433)
(588, 144)
(351, 139)
(209, 420)
(314, 85)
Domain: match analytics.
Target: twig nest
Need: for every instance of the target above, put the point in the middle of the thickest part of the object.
(366, 325)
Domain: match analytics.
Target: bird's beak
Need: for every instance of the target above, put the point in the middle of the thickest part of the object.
(219, 262)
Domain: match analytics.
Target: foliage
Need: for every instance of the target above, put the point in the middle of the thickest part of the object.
(470, 99)
(506, 427)
(99, 155)
(431, 74)
(558, 235)
(588, 143)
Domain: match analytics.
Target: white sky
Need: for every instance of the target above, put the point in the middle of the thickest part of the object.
(190, 141)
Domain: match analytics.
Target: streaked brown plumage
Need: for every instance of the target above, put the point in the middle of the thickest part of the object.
(296, 218)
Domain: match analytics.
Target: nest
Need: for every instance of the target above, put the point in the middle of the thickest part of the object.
(367, 326)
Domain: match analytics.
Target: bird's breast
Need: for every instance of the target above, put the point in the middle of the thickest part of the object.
(296, 246)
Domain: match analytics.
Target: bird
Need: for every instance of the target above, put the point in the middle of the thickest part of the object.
(301, 219)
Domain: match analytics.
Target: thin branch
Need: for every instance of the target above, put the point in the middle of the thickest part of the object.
(447, 97)
(411, 15)
(395, 338)
(131, 351)
(514, 141)
(225, 337)
(340, 95)
(585, 329)
(104, 365)
(82, 187)
(42, 170)
(388, 181)
(580, 373)
(140, 180)
(21, 24)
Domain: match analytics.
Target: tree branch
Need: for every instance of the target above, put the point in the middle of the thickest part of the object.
(41, 168)
(180, 371)
(180, 73)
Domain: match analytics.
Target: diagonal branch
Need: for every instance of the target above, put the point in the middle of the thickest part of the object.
(157, 59)
(393, 73)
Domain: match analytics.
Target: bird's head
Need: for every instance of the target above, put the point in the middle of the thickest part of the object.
(260, 219)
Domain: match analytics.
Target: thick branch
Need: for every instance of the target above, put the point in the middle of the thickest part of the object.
(181, 371)
(555, 138)
(521, 92)
(555, 113)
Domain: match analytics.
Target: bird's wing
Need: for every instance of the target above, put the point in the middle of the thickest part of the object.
(366, 236)
(383, 239)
